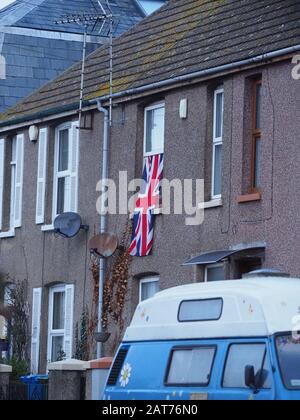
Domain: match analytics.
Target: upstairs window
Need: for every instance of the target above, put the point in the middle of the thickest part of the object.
(154, 130)
(65, 169)
(11, 183)
(255, 181)
(217, 143)
(13, 166)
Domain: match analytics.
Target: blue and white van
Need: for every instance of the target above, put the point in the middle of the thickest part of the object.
(233, 340)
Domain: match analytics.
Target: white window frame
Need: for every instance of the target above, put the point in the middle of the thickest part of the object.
(36, 329)
(67, 332)
(217, 141)
(147, 109)
(54, 333)
(2, 172)
(41, 176)
(13, 169)
(144, 280)
(64, 174)
(208, 266)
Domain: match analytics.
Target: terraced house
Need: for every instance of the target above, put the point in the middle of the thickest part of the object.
(211, 87)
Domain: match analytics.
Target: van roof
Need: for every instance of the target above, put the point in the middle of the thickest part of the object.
(255, 307)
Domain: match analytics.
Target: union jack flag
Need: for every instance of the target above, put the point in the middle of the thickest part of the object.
(148, 200)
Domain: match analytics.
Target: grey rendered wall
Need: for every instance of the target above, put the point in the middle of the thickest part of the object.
(273, 220)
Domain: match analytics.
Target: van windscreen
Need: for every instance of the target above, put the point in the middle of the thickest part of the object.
(200, 310)
(288, 351)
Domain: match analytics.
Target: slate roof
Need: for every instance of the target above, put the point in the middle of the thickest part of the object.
(46, 12)
(32, 57)
(181, 38)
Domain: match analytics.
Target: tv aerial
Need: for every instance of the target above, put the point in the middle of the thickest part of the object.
(68, 225)
(104, 245)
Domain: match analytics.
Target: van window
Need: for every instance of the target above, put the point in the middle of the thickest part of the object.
(240, 356)
(200, 310)
(191, 366)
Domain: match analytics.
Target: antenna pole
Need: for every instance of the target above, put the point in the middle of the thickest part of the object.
(110, 69)
(82, 74)
(86, 20)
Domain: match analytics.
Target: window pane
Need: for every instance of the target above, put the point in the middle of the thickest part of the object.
(258, 107)
(60, 195)
(218, 170)
(239, 357)
(14, 150)
(63, 159)
(155, 127)
(200, 310)
(57, 348)
(58, 311)
(190, 367)
(219, 115)
(257, 162)
(149, 289)
(215, 273)
(289, 358)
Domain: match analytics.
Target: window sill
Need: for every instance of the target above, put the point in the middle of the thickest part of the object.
(156, 212)
(216, 202)
(248, 198)
(9, 234)
(47, 228)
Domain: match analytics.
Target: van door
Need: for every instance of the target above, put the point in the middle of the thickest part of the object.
(232, 382)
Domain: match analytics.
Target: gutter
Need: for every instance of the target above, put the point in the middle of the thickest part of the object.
(43, 114)
(103, 217)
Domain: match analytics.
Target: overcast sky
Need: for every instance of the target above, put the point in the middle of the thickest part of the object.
(4, 3)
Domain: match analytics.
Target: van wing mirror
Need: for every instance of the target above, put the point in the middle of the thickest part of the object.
(250, 380)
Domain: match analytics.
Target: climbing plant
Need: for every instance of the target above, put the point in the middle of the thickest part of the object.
(115, 288)
(18, 325)
(81, 337)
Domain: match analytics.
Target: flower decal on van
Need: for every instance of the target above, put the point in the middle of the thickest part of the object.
(125, 375)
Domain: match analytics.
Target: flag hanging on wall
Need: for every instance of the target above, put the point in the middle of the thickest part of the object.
(148, 200)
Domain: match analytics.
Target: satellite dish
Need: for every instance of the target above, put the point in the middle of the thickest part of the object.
(68, 225)
(104, 245)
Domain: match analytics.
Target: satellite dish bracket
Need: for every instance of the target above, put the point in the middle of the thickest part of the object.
(59, 232)
(96, 252)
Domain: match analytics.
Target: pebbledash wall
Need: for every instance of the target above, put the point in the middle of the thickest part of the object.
(46, 259)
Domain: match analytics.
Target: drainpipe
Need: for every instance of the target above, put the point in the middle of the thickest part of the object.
(103, 217)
